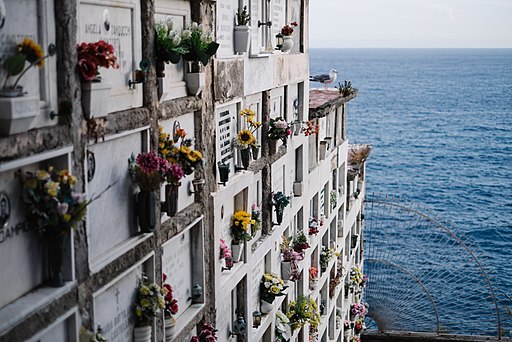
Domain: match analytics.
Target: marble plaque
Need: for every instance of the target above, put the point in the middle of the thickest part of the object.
(112, 217)
(113, 307)
(64, 330)
(278, 12)
(119, 26)
(256, 32)
(226, 10)
(177, 264)
(256, 273)
(224, 314)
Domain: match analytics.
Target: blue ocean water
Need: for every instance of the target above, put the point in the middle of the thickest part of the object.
(440, 121)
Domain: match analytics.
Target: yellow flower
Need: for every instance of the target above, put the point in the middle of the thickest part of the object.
(144, 290)
(31, 183)
(52, 188)
(42, 175)
(245, 137)
(274, 289)
(197, 154)
(32, 51)
(145, 303)
(185, 149)
(249, 113)
(66, 217)
(138, 311)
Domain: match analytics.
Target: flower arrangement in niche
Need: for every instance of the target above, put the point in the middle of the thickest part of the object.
(282, 327)
(313, 226)
(148, 170)
(287, 30)
(357, 309)
(92, 56)
(279, 129)
(207, 334)
(280, 201)
(168, 40)
(246, 137)
(256, 216)
(198, 43)
(326, 255)
(226, 254)
(359, 325)
(289, 255)
(176, 149)
(240, 226)
(53, 205)
(311, 128)
(357, 278)
(271, 286)
(303, 310)
(300, 243)
(14, 65)
(313, 274)
(149, 303)
(171, 304)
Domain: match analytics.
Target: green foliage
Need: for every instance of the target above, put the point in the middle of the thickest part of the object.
(346, 89)
(168, 47)
(243, 17)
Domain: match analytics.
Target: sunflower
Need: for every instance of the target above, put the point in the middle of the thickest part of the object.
(32, 51)
(245, 137)
(249, 113)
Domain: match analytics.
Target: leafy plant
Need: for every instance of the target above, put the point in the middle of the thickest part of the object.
(346, 89)
(150, 302)
(280, 200)
(303, 310)
(242, 17)
(199, 44)
(168, 49)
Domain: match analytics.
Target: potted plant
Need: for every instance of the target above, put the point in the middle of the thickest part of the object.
(170, 309)
(242, 31)
(280, 201)
(246, 138)
(256, 216)
(207, 334)
(283, 332)
(289, 267)
(17, 111)
(168, 49)
(286, 33)
(150, 301)
(148, 171)
(240, 225)
(271, 286)
(53, 209)
(346, 89)
(303, 310)
(326, 256)
(300, 243)
(95, 91)
(313, 277)
(200, 48)
(226, 256)
(313, 226)
(278, 129)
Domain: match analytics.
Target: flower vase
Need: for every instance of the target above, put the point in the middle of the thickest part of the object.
(255, 150)
(279, 215)
(246, 157)
(169, 324)
(272, 146)
(287, 43)
(229, 263)
(17, 112)
(195, 77)
(242, 35)
(223, 173)
(352, 316)
(55, 246)
(347, 334)
(95, 99)
(312, 284)
(160, 69)
(266, 307)
(171, 198)
(142, 334)
(146, 210)
(237, 251)
(286, 270)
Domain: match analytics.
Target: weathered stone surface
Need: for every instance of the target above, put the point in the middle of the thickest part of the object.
(323, 101)
(229, 81)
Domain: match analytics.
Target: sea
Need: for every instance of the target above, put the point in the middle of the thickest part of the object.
(440, 122)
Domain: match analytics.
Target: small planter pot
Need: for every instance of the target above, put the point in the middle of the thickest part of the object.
(312, 284)
(55, 248)
(237, 251)
(272, 146)
(224, 173)
(17, 113)
(353, 241)
(246, 157)
(286, 270)
(95, 99)
(287, 43)
(142, 334)
(242, 35)
(195, 78)
(266, 307)
(255, 150)
(279, 215)
(169, 324)
(298, 188)
(146, 210)
(171, 199)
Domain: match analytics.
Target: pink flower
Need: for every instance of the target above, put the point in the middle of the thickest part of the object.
(148, 161)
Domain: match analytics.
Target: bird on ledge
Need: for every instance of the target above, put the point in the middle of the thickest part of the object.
(325, 79)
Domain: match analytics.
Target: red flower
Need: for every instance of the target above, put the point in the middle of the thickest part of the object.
(87, 69)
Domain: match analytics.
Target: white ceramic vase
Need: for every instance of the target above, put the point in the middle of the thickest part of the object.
(17, 113)
(242, 35)
(266, 307)
(169, 324)
(142, 334)
(95, 99)
(287, 43)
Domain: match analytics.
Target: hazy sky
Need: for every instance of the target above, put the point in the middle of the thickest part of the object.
(411, 23)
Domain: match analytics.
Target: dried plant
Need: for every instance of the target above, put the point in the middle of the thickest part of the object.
(358, 153)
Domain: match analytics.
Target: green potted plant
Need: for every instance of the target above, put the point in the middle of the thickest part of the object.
(150, 301)
(280, 201)
(242, 31)
(168, 49)
(198, 42)
(303, 310)
(18, 110)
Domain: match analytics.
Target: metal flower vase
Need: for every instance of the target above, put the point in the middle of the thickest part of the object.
(246, 157)
(255, 150)
(171, 199)
(279, 215)
(195, 77)
(146, 210)
(55, 247)
(242, 38)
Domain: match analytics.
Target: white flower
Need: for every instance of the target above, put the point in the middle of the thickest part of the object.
(267, 284)
(281, 124)
(194, 26)
(201, 27)
(204, 37)
(176, 41)
(186, 34)
(275, 281)
(169, 23)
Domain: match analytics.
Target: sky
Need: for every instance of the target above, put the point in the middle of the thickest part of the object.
(410, 23)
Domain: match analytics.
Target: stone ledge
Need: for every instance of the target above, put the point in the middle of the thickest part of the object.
(323, 101)
(176, 107)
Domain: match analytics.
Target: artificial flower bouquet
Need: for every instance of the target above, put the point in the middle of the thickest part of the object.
(287, 29)
(271, 286)
(256, 216)
(168, 43)
(171, 304)
(326, 255)
(240, 226)
(359, 325)
(207, 334)
(358, 309)
(280, 201)
(282, 327)
(313, 226)
(313, 274)
(311, 128)
(149, 170)
(303, 310)
(300, 243)
(198, 43)
(226, 254)
(177, 149)
(149, 303)
(53, 205)
(92, 56)
(279, 129)
(246, 137)
(14, 65)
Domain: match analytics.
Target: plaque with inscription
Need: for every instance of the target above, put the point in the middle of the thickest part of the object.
(119, 26)
(113, 307)
(226, 10)
(278, 11)
(177, 264)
